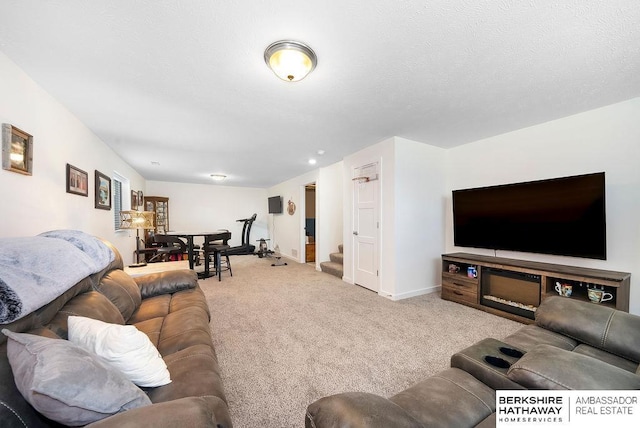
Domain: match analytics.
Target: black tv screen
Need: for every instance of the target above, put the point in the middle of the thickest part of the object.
(562, 216)
(275, 205)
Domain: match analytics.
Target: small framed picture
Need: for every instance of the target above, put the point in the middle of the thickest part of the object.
(17, 150)
(77, 181)
(134, 200)
(103, 191)
(141, 198)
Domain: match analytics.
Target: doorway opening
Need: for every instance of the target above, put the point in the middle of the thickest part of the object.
(310, 223)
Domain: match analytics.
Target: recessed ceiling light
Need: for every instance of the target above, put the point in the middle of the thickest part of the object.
(218, 177)
(155, 163)
(312, 161)
(320, 152)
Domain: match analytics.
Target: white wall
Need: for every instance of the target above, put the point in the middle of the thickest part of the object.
(605, 139)
(419, 216)
(411, 240)
(203, 208)
(285, 230)
(37, 203)
(329, 221)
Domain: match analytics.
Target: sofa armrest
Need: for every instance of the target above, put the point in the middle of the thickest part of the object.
(168, 282)
(548, 367)
(184, 412)
(357, 410)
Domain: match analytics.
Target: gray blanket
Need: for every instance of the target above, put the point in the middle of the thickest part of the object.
(36, 270)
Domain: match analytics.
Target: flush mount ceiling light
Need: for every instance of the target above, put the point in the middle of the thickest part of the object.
(218, 177)
(290, 60)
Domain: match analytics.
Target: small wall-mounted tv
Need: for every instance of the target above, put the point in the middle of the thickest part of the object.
(561, 216)
(275, 205)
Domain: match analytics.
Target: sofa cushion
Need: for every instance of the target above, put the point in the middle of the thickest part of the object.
(184, 328)
(597, 325)
(607, 357)
(168, 282)
(436, 401)
(66, 383)
(152, 307)
(548, 367)
(196, 412)
(188, 299)
(530, 336)
(151, 328)
(122, 291)
(195, 373)
(91, 305)
(122, 346)
(358, 409)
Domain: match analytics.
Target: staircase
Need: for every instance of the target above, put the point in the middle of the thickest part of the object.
(334, 267)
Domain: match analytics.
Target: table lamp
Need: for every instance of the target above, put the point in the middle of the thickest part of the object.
(137, 220)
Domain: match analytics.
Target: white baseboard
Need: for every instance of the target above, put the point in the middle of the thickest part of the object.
(408, 294)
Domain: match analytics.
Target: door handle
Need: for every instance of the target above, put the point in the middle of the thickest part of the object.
(355, 232)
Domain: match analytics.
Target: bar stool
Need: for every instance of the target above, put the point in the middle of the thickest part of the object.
(217, 250)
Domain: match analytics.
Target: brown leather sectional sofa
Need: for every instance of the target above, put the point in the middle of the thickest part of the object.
(572, 345)
(171, 309)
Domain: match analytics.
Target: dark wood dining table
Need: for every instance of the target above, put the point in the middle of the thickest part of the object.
(212, 236)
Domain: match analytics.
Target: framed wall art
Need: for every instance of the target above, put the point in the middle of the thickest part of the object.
(17, 150)
(134, 200)
(103, 191)
(77, 181)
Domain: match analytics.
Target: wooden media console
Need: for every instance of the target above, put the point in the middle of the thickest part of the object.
(514, 288)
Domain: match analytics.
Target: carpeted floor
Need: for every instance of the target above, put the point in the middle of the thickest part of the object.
(286, 336)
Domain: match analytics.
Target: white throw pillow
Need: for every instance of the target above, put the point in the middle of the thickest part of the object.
(124, 347)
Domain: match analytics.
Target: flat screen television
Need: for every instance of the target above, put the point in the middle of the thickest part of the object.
(275, 205)
(561, 216)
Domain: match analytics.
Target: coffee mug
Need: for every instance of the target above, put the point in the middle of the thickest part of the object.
(599, 296)
(564, 289)
(472, 272)
(454, 268)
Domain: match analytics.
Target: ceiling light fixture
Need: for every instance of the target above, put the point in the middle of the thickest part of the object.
(290, 60)
(218, 177)
(312, 161)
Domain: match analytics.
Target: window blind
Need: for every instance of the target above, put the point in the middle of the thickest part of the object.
(117, 202)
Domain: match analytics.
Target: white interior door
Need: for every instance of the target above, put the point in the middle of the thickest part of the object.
(365, 228)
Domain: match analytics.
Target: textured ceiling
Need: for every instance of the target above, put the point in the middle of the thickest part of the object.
(183, 83)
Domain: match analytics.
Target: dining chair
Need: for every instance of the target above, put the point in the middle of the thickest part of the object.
(168, 246)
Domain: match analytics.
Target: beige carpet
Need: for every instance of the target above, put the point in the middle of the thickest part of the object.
(286, 336)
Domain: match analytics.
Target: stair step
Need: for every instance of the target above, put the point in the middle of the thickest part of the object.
(332, 268)
(340, 247)
(337, 258)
